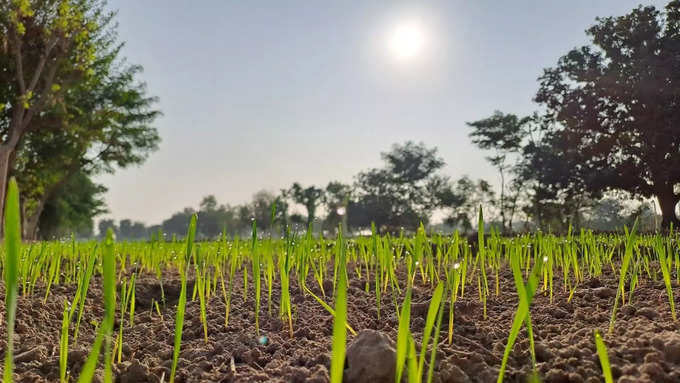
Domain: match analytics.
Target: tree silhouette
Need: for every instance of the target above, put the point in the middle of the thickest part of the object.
(615, 107)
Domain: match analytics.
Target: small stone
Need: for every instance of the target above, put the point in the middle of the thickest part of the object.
(543, 353)
(76, 356)
(648, 313)
(575, 377)
(658, 343)
(654, 357)
(674, 376)
(654, 370)
(37, 353)
(135, 372)
(452, 373)
(556, 376)
(604, 292)
(628, 310)
(371, 357)
(559, 313)
(319, 375)
(629, 369)
(672, 350)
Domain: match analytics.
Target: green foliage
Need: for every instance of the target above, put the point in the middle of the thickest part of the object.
(309, 197)
(593, 99)
(71, 209)
(83, 112)
(402, 193)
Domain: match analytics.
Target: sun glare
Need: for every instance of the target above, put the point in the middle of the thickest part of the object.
(407, 41)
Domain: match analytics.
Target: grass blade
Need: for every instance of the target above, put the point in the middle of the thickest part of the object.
(340, 321)
(12, 245)
(432, 311)
(403, 334)
(181, 304)
(604, 358)
(109, 276)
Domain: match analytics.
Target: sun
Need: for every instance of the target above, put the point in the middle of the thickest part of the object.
(407, 41)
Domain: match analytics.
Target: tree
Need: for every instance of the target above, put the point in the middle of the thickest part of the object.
(401, 194)
(92, 123)
(72, 208)
(46, 46)
(125, 228)
(129, 230)
(505, 135)
(463, 200)
(557, 181)
(105, 123)
(178, 223)
(615, 106)
(261, 209)
(106, 224)
(214, 218)
(335, 198)
(310, 197)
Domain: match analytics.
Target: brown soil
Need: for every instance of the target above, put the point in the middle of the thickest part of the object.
(645, 346)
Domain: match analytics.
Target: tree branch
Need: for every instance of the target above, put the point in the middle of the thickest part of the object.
(18, 61)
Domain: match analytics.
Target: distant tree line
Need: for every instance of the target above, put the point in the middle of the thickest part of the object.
(604, 141)
(603, 145)
(407, 190)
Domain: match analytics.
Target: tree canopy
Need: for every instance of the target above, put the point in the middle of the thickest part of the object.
(614, 108)
(403, 193)
(70, 106)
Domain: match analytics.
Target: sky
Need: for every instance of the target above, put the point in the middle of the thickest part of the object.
(258, 95)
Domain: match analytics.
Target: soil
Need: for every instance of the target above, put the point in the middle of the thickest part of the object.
(645, 345)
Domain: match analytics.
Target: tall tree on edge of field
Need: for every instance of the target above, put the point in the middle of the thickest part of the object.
(617, 105)
(47, 45)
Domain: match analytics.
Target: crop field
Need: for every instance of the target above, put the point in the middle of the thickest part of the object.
(299, 308)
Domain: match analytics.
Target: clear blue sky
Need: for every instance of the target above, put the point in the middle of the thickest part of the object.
(258, 95)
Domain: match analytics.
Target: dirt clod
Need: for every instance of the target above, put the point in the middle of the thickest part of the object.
(641, 350)
(39, 352)
(672, 350)
(370, 358)
(648, 313)
(135, 372)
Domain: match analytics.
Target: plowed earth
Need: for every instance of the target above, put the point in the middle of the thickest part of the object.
(645, 346)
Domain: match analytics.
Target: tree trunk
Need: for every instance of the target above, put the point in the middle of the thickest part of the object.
(500, 169)
(31, 221)
(5, 155)
(667, 201)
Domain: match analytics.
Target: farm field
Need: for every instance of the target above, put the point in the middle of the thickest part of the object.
(187, 311)
(359, 192)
